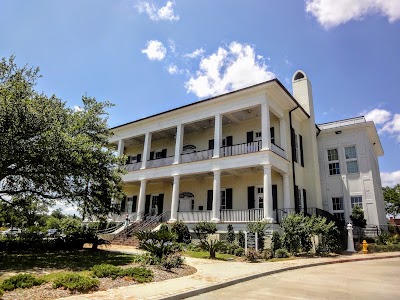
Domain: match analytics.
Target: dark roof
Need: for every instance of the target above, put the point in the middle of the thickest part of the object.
(212, 98)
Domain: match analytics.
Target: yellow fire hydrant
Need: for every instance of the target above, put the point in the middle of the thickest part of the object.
(365, 247)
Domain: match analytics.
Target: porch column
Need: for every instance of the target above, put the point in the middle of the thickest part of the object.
(216, 205)
(121, 145)
(265, 127)
(217, 136)
(175, 199)
(178, 143)
(282, 130)
(286, 191)
(142, 200)
(146, 149)
(268, 202)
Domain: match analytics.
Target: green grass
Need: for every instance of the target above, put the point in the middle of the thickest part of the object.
(205, 254)
(280, 259)
(61, 260)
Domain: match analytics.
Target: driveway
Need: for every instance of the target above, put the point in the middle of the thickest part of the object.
(374, 279)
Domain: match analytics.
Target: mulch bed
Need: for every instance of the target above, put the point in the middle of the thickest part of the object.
(46, 292)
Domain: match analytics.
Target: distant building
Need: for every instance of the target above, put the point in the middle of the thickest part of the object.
(252, 154)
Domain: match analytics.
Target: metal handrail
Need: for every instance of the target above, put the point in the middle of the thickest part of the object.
(110, 229)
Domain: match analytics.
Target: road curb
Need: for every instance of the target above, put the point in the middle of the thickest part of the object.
(221, 285)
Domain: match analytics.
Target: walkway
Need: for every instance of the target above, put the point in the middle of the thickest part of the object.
(212, 275)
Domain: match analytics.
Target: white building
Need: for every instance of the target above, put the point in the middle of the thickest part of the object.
(252, 154)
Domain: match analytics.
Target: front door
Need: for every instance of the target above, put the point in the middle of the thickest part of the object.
(186, 204)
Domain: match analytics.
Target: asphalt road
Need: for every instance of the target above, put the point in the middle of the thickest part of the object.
(374, 279)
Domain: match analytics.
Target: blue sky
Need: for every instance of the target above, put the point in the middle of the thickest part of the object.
(149, 56)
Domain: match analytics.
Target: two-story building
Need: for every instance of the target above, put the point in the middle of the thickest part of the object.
(252, 154)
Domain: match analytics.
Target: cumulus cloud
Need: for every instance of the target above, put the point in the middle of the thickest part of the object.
(77, 108)
(165, 13)
(393, 126)
(331, 13)
(195, 53)
(228, 69)
(390, 178)
(172, 45)
(172, 69)
(155, 50)
(378, 116)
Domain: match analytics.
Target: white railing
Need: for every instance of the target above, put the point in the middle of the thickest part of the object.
(198, 155)
(133, 167)
(241, 215)
(241, 148)
(195, 216)
(278, 150)
(155, 163)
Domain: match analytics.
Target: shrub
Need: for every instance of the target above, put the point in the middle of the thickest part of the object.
(241, 239)
(267, 254)
(138, 274)
(164, 227)
(146, 259)
(193, 247)
(182, 232)
(158, 243)
(1, 292)
(382, 248)
(106, 270)
(172, 261)
(382, 239)
(276, 241)
(20, 281)
(231, 234)
(203, 230)
(281, 253)
(231, 248)
(76, 282)
(239, 252)
(252, 255)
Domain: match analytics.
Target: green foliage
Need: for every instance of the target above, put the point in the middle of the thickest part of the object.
(1, 292)
(239, 252)
(164, 227)
(241, 238)
(392, 199)
(172, 261)
(158, 243)
(383, 238)
(203, 230)
(137, 273)
(76, 282)
(281, 253)
(231, 234)
(252, 255)
(259, 226)
(52, 152)
(372, 248)
(20, 281)
(276, 241)
(182, 232)
(106, 270)
(357, 217)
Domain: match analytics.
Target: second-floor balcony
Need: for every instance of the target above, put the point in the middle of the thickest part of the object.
(226, 151)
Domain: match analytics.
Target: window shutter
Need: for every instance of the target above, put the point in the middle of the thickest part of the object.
(228, 198)
(272, 133)
(128, 160)
(164, 153)
(301, 151)
(229, 140)
(250, 137)
(296, 199)
(293, 138)
(160, 203)
(147, 205)
(210, 144)
(305, 200)
(250, 197)
(209, 199)
(123, 204)
(151, 155)
(134, 203)
(274, 197)
(139, 158)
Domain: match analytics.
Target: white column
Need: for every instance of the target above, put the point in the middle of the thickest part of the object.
(216, 205)
(282, 130)
(268, 205)
(265, 127)
(217, 136)
(121, 145)
(286, 191)
(142, 200)
(146, 149)
(178, 143)
(175, 199)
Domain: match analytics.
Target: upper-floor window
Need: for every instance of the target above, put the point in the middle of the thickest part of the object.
(351, 159)
(257, 135)
(356, 200)
(333, 158)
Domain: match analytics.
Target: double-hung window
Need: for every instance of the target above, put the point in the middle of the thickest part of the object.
(333, 159)
(356, 200)
(337, 208)
(351, 159)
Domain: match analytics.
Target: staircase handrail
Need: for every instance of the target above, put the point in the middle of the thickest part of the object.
(111, 229)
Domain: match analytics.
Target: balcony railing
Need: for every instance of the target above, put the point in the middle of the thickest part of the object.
(160, 162)
(241, 215)
(278, 150)
(196, 156)
(241, 148)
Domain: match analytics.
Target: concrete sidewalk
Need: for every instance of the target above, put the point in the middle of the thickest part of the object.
(212, 275)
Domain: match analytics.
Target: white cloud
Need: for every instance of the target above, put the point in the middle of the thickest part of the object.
(331, 13)
(172, 69)
(77, 108)
(67, 209)
(155, 50)
(172, 45)
(378, 116)
(393, 126)
(165, 13)
(228, 69)
(195, 53)
(390, 178)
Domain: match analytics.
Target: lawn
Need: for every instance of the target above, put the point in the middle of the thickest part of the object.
(205, 254)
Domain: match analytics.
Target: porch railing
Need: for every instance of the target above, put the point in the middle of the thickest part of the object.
(241, 215)
(195, 216)
(241, 148)
(196, 156)
(278, 150)
(160, 162)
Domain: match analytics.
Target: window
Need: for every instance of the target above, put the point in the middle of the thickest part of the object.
(257, 135)
(351, 159)
(337, 208)
(223, 199)
(188, 149)
(158, 154)
(334, 166)
(356, 200)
